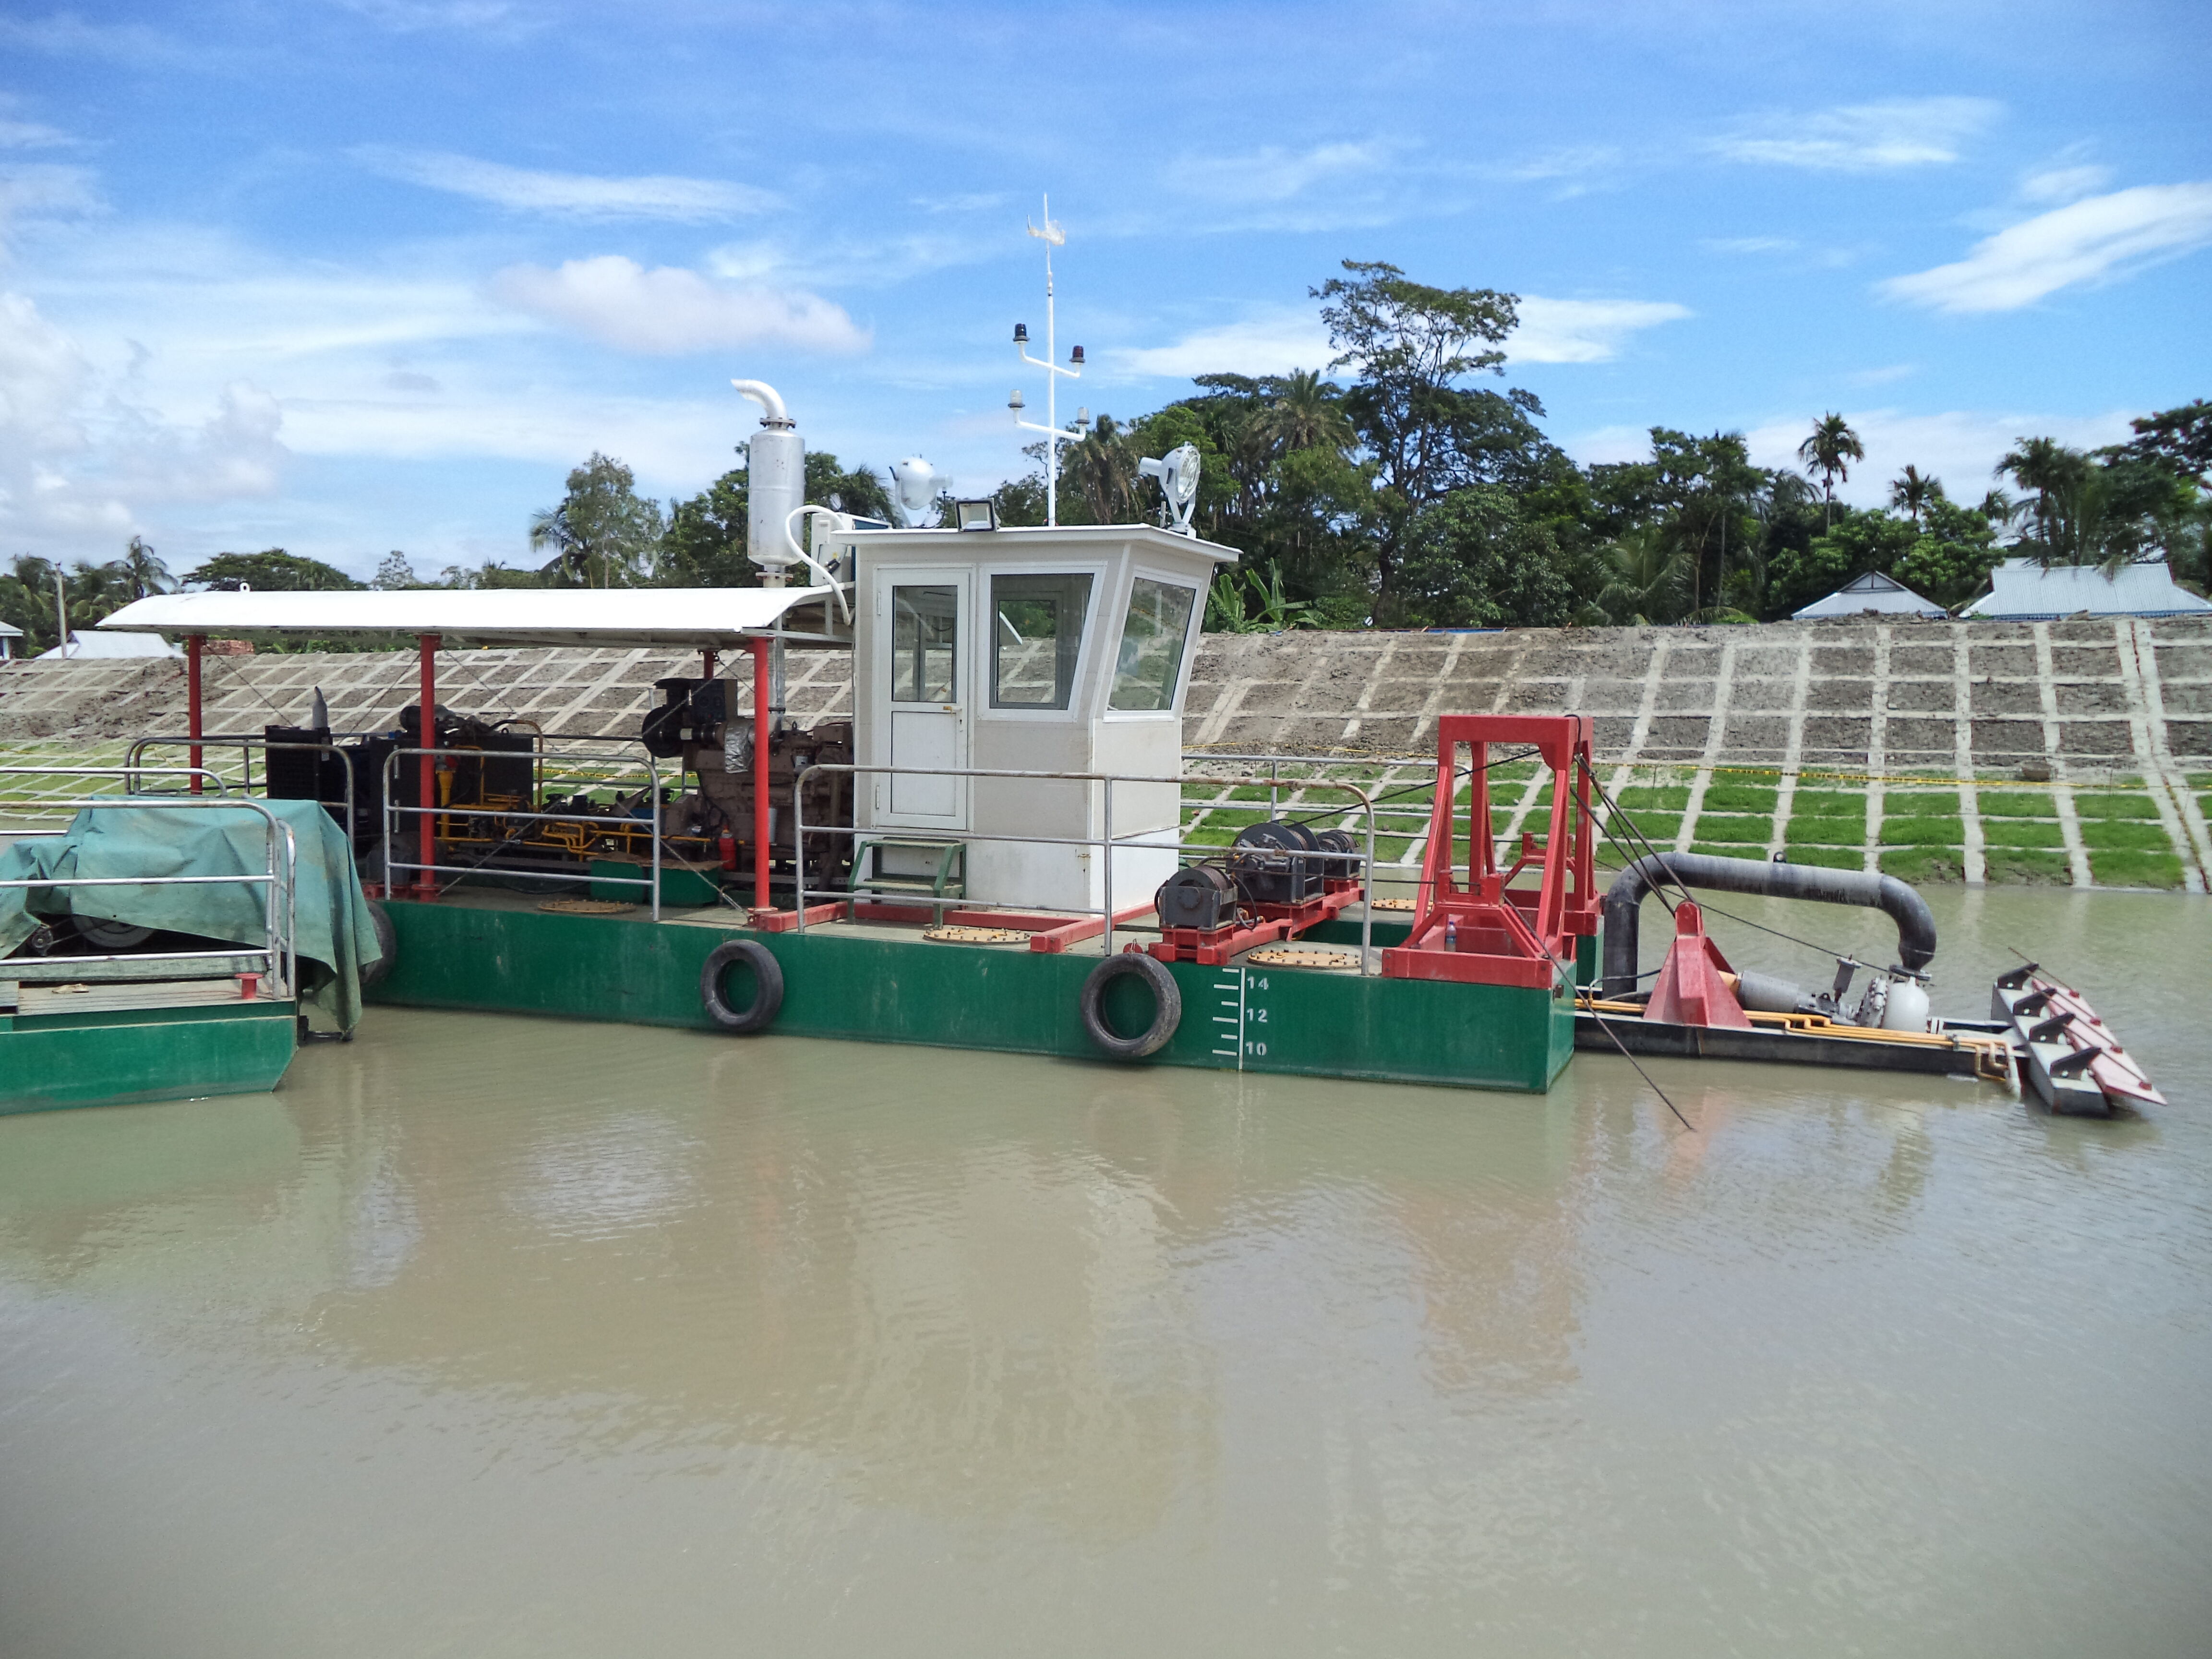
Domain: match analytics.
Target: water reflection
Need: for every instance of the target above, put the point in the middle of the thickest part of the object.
(1420, 1349)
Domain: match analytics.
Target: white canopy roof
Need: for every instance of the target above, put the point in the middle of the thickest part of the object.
(1871, 591)
(701, 617)
(2023, 590)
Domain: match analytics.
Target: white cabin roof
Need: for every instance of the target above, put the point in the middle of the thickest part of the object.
(701, 617)
(1871, 591)
(2023, 590)
(959, 545)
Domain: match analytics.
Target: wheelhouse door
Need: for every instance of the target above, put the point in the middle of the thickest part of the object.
(925, 630)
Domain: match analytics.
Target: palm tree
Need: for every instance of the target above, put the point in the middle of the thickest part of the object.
(1829, 452)
(143, 569)
(1644, 575)
(1307, 410)
(1102, 472)
(2050, 469)
(1913, 490)
(1999, 508)
(572, 557)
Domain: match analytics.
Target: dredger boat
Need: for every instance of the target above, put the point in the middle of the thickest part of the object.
(989, 853)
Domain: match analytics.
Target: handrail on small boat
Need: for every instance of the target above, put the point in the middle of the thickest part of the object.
(279, 879)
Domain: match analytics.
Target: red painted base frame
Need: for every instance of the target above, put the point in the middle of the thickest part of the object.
(1213, 947)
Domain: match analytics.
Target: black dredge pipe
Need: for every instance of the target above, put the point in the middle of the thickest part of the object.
(1624, 901)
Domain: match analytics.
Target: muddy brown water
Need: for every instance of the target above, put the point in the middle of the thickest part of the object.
(496, 1337)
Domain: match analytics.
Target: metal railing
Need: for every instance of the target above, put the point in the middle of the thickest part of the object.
(134, 757)
(1106, 840)
(394, 812)
(279, 878)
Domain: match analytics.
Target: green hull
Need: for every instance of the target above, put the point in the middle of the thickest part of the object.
(145, 1054)
(870, 988)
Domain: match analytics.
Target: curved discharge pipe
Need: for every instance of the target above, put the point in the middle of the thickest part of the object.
(1624, 901)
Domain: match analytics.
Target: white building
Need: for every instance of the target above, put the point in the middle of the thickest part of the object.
(97, 644)
(2023, 590)
(1873, 591)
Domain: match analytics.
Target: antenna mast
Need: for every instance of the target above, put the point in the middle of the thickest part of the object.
(1055, 435)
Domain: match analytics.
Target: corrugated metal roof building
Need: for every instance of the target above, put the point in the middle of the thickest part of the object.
(1873, 591)
(2023, 590)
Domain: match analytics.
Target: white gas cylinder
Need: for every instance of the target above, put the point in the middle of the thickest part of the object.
(1908, 1006)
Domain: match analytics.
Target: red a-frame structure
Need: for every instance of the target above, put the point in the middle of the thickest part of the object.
(1487, 931)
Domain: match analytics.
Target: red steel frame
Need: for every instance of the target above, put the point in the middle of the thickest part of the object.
(426, 879)
(193, 643)
(1490, 933)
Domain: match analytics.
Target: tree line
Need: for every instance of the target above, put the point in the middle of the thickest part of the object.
(1396, 486)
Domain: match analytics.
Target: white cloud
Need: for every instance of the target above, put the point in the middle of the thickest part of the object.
(1272, 343)
(2062, 185)
(2099, 240)
(1748, 245)
(1582, 331)
(78, 452)
(1569, 161)
(669, 311)
(30, 135)
(43, 189)
(1885, 376)
(1276, 342)
(572, 195)
(1901, 132)
(1961, 448)
(1273, 174)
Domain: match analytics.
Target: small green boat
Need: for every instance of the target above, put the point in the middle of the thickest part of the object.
(163, 946)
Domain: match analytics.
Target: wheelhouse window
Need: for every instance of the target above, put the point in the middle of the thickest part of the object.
(925, 629)
(1037, 634)
(1153, 636)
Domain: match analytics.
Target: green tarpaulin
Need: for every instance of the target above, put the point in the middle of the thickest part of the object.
(335, 938)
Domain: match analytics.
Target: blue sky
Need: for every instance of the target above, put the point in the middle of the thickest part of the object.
(347, 278)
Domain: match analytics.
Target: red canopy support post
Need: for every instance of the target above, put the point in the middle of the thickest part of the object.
(426, 731)
(707, 664)
(762, 720)
(193, 728)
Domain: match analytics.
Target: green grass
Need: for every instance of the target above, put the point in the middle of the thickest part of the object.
(2016, 804)
(1825, 832)
(2016, 866)
(1203, 837)
(1828, 858)
(2115, 806)
(1827, 803)
(1661, 827)
(1388, 849)
(1920, 804)
(1746, 831)
(1222, 817)
(1671, 801)
(2135, 869)
(1719, 851)
(1922, 832)
(1740, 798)
(2119, 834)
(1925, 863)
(2021, 832)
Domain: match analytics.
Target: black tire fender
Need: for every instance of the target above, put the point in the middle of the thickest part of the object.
(387, 944)
(767, 986)
(1167, 998)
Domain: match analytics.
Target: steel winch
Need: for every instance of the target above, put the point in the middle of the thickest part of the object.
(1271, 869)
